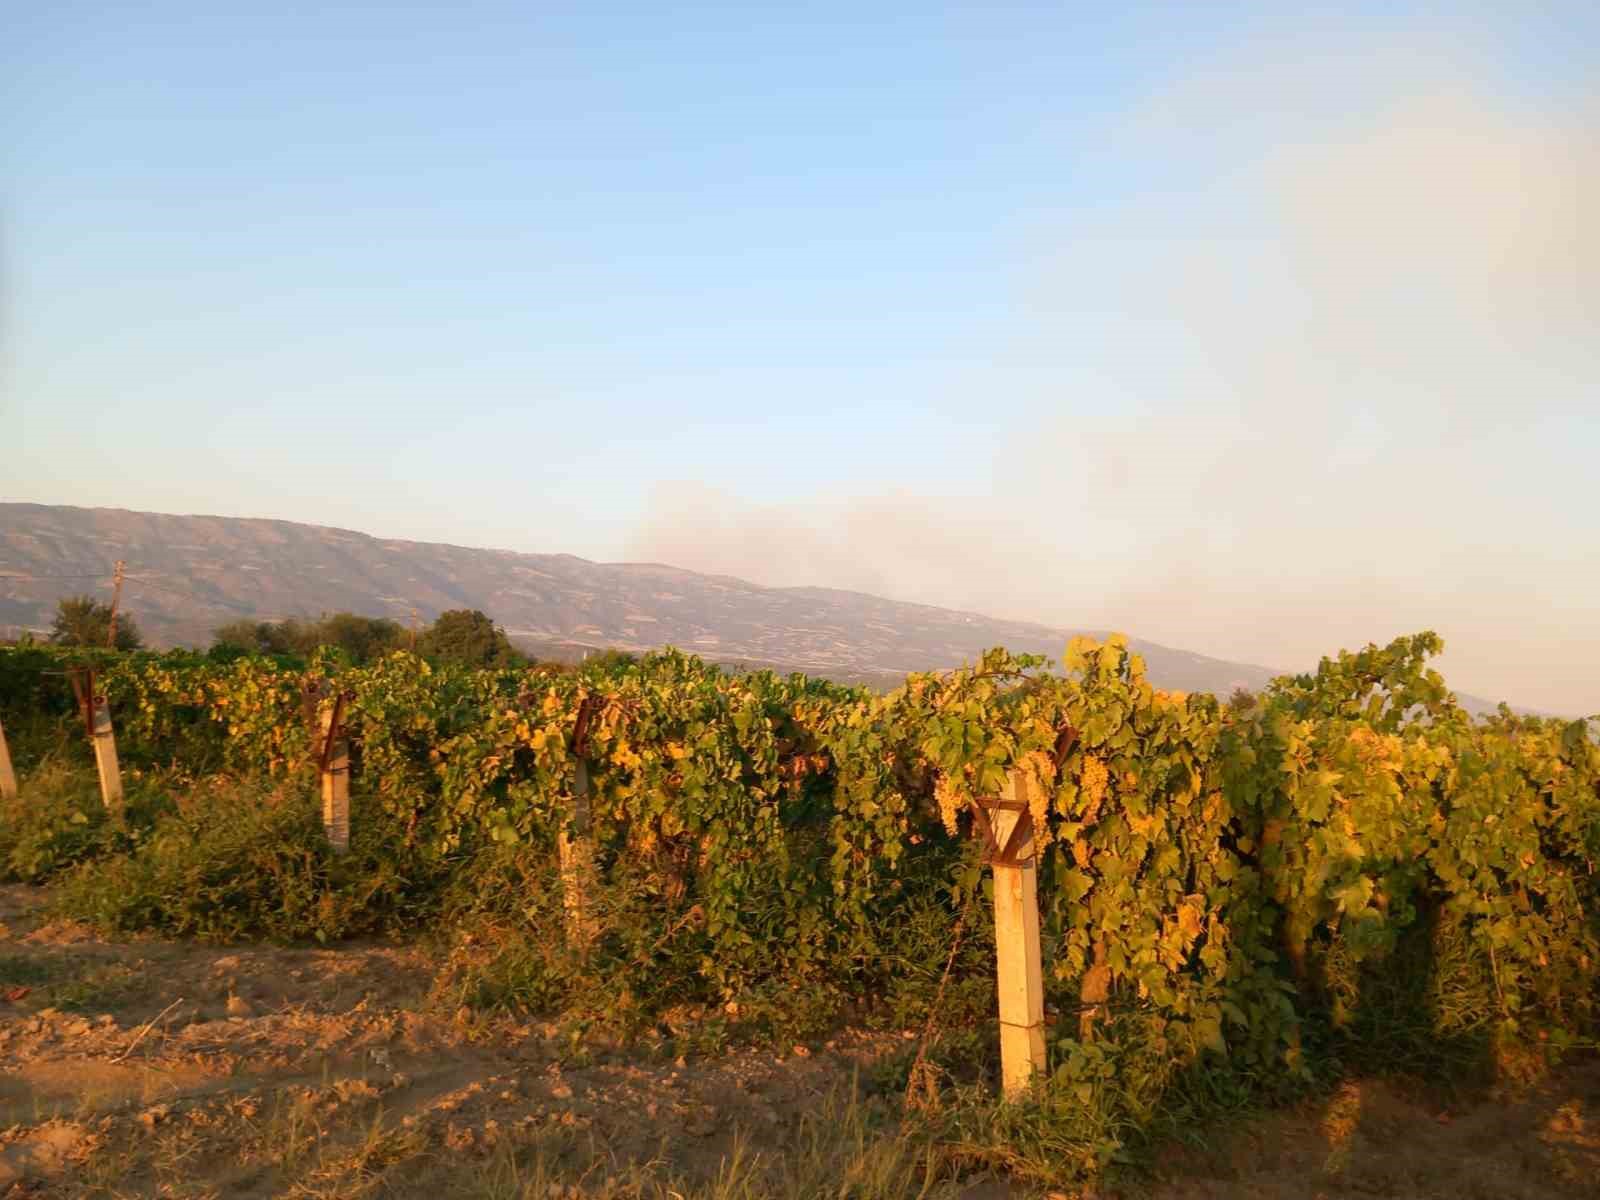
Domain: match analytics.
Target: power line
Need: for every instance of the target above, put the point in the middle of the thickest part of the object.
(31, 578)
(131, 579)
(136, 581)
(181, 593)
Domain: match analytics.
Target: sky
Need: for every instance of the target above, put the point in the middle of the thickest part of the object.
(1256, 331)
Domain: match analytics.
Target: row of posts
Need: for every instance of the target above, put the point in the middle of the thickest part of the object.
(332, 747)
(1005, 824)
(97, 716)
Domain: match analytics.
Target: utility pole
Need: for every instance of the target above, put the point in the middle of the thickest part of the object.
(116, 599)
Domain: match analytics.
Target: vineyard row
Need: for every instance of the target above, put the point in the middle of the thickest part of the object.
(1230, 874)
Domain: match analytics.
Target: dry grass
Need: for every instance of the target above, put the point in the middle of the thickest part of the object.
(339, 1141)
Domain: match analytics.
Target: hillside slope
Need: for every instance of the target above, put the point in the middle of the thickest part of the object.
(190, 574)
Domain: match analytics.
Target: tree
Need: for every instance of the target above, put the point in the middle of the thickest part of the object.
(362, 639)
(84, 621)
(610, 661)
(469, 637)
(254, 637)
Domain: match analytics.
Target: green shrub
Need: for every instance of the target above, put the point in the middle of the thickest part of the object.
(58, 820)
(234, 861)
(510, 945)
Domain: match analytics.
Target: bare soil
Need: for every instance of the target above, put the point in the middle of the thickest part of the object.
(154, 1068)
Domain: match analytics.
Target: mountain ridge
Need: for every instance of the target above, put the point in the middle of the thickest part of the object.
(189, 573)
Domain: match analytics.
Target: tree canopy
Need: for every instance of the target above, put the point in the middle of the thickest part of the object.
(467, 636)
(462, 635)
(363, 639)
(85, 621)
(256, 637)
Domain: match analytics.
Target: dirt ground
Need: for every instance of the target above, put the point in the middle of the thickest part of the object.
(152, 1068)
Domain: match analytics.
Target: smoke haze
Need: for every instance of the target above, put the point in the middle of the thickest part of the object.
(1335, 378)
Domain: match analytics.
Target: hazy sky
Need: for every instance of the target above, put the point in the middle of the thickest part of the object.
(1256, 332)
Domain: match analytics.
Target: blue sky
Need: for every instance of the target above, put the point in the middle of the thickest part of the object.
(1067, 312)
(628, 239)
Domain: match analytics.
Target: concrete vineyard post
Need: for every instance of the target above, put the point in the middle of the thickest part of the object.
(335, 781)
(8, 777)
(575, 839)
(105, 752)
(575, 845)
(1018, 968)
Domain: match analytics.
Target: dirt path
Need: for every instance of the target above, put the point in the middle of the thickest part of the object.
(149, 1068)
(1371, 1139)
